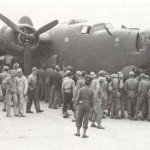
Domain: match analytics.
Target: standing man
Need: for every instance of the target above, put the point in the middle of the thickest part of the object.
(148, 117)
(68, 86)
(10, 86)
(48, 75)
(142, 100)
(55, 94)
(33, 92)
(98, 96)
(80, 84)
(15, 67)
(22, 87)
(117, 87)
(3, 76)
(103, 83)
(84, 102)
(41, 81)
(131, 87)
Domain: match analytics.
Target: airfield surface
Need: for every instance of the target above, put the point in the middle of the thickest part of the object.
(49, 131)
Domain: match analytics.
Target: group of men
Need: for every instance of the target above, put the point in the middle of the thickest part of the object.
(16, 88)
(89, 96)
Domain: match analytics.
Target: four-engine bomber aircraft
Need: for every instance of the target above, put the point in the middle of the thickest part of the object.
(81, 45)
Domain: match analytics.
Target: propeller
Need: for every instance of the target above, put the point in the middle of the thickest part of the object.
(10, 24)
(26, 39)
(46, 27)
(41, 30)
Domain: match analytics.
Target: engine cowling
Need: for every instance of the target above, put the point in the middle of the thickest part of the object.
(15, 42)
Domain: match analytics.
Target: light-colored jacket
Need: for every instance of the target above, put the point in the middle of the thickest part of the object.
(10, 85)
(68, 85)
(22, 84)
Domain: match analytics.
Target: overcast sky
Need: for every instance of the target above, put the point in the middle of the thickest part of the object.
(131, 13)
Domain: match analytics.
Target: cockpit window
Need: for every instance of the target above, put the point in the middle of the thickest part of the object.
(101, 26)
(85, 29)
(140, 40)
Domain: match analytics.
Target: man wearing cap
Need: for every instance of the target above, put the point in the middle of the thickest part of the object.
(142, 99)
(55, 93)
(22, 87)
(94, 85)
(3, 76)
(79, 85)
(10, 86)
(103, 84)
(41, 81)
(84, 102)
(48, 75)
(98, 96)
(68, 86)
(148, 116)
(15, 67)
(32, 92)
(131, 87)
(63, 71)
(117, 86)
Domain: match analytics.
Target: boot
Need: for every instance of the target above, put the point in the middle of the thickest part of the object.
(117, 114)
(65, 115)
(142, 117)
(136, 116)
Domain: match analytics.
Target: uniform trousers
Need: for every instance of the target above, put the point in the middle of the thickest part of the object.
(148, 109)
(33, 96)
(98, 113)
(52, 94)
(115, 105)
(9, 100)
(141, 104)
(21, 101)
(131, 102)
(83, 115)
(67, 100)
(41, 91)
(47, 92)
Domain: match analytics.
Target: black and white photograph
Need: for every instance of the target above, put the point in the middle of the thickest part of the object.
(74, 75)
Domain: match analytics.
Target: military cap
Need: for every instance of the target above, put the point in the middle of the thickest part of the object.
(114, 75)
(92, 74)
(146, 77)
(34, 69)
(102, 73)
(88, 79)
(142, 76)
(19, 70)
(69, 68)
(68, 73)
(131, 74)
(5, 67)
(16, 65)
(120, 74)
(78, 72)
(12, 71)
(57, 67)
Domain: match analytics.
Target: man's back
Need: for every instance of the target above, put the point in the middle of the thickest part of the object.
(41, 76)
(131, 84)
(86, 94)
(48, 74)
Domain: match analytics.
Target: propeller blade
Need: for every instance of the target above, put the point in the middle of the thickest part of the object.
(10, 24)
(46, 27)
(27, 60)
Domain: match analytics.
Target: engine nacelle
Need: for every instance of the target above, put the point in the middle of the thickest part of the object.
(15, 42)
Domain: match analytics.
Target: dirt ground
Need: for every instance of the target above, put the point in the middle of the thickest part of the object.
(49, 131)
